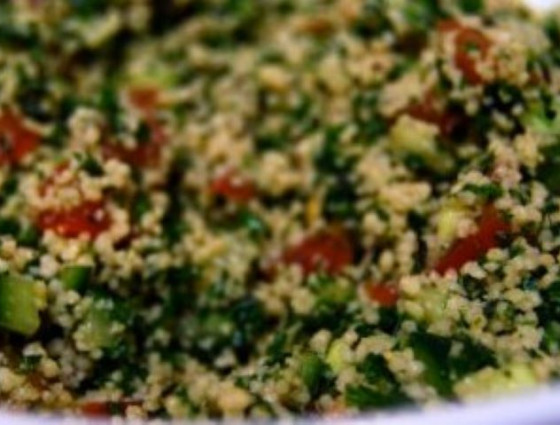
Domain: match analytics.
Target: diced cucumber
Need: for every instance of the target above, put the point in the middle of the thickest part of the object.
(152, 74)
(337, 355)
(448, 221)
(19, 306)
(410, 136)
(75, 278)
(490, 381)
(97, 328)
(538, 120)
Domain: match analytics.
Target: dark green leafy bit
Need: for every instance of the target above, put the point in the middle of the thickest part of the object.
(474, 288)
(418, 223)
(365, 109)
(15, 36)
(549, 317)
(277, 351)
(255, 227)
(331, 159)
(501, 97)
(236, 326)
(501, 314)
(373, 19)
(25, 234)
(335, 166)
(341, 199)
(364, 398)
(88, 8)
(123, 357)
(109, 104)
(547, 171)
(91, 166)
(140, 206)
(29, 364)
(488, 192)
(389, 322)
(471, 6)
(315, 374)
(422, 15)
(443, 368)
(270, 142)
(335, 317)
(433, 352)
(332, 308)
(174, 225)
(382, 389)
(34, 97)
(75, 278)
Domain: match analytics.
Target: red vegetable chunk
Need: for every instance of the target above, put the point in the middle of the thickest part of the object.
(233, 187)
(427, 110)
(471, 248)
(101, 409)
(89, 218)
(467, 42)
(144, 98)
(385, 295)
(16, 139)
(329, 251)
(146, 153)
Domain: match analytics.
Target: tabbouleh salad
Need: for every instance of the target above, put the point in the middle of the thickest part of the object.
(242, 208)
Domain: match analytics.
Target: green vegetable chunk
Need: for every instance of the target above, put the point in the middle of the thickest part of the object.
(19, 311)
(382, 389)
(313, 371)
(75, 278)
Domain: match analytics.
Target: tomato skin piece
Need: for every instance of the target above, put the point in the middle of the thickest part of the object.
(16, 140)
(88, 218)
(95, 409)
(467, 39)
(329, 251)
(386, 295)
(426, 110)
(144, 98)
(145, 154)
(474, 246)
(148, 153)
(100, 409)
(233, 187)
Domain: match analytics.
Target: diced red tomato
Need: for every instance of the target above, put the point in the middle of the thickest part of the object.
(467, 40)
(147, 153)
(95, 409)
(329, 251)
(105, 408)
(426, 110)
(233, 187)
(144, 98)
(386, 295)
(144, 154)
(16, 139)
(89, 218)
(471, 248)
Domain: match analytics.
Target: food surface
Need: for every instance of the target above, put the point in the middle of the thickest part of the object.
(241, 208)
